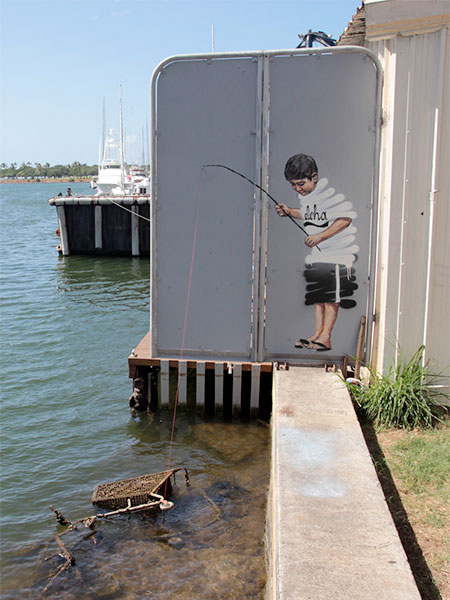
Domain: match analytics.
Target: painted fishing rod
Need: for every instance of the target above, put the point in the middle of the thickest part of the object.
(265, 191)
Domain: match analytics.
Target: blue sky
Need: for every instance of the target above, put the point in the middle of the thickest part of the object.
(59, 58)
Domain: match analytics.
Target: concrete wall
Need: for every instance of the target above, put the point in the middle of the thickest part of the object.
(330, 534)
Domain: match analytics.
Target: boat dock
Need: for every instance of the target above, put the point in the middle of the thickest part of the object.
(212, 386)
(103, 225)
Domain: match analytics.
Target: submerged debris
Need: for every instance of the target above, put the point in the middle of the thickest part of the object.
(144, 493)
(59, 516)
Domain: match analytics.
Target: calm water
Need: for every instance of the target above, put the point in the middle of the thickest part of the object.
(68, 325)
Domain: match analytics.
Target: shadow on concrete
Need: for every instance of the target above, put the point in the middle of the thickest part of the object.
(421, 572)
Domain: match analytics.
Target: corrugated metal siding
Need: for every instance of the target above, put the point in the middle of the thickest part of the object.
(438, 330)
(413, 287)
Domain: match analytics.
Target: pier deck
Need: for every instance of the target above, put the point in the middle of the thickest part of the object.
(141, 357)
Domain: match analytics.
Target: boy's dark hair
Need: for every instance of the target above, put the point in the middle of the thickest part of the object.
(300, 166)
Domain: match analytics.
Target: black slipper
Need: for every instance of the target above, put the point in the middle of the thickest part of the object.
(322, 347)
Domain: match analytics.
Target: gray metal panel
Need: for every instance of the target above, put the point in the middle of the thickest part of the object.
(206, 113)
(209, 109)
(324, 105)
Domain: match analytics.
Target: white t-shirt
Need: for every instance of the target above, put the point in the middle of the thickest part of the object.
(319, 210)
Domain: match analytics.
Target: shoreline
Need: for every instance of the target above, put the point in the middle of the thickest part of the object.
(55, 180)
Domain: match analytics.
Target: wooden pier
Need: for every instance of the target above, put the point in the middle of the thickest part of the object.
(117, 226)
(226, 388)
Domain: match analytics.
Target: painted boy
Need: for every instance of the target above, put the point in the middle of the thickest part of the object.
(328, 220)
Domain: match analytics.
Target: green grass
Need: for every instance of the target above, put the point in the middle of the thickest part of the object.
(413, 468)
(419, 464)
(404, 398)
(425, 461)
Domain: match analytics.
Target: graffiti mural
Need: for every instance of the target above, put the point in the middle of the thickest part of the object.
(328, 220)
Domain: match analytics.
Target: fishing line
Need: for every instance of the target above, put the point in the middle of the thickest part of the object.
(186, 311)
(263, 190)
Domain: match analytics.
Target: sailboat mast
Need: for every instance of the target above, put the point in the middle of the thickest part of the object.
(99, 159)
(101, 146)
(147, 144)
(104, 128)
(122, 153)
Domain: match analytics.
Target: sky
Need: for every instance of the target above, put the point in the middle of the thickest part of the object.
(60, 58)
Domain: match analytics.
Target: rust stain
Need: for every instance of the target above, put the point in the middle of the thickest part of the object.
(287, 411)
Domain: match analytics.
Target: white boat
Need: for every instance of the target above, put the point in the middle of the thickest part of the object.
(111, 176)
(115, 180)
(114, 177)
(137, 181)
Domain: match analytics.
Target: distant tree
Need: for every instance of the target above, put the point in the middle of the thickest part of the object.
(9, 171)
(26, 170)
(75, 169)
(59, 171)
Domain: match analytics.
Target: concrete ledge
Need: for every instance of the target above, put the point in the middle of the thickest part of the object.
(330, 533)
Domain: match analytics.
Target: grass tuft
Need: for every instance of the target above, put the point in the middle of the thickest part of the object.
(404, 398)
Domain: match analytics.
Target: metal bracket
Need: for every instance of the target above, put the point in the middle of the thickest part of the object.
(281, 366)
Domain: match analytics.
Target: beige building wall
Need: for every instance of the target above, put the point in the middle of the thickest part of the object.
(411, 39)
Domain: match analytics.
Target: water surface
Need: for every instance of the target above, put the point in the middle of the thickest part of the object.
(68, 325)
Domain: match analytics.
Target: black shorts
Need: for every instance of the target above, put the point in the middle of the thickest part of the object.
(330, 283)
